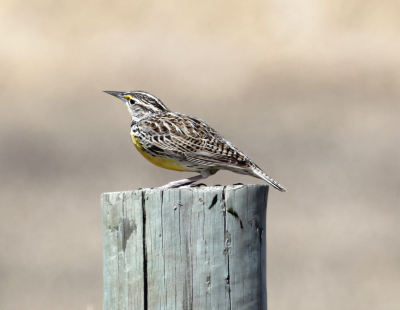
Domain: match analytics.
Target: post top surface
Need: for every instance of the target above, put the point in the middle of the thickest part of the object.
(197, 189)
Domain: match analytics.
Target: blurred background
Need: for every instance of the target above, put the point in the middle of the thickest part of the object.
(308, 89)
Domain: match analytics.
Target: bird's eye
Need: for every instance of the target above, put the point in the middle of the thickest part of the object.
(131, 101)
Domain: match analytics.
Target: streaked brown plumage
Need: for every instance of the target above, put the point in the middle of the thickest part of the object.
(179, 142)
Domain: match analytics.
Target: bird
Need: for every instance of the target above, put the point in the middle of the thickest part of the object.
(180, 142)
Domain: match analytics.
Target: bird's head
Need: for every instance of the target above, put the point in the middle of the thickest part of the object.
(139, 103)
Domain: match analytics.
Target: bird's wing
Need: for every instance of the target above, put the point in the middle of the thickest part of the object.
(190, 139)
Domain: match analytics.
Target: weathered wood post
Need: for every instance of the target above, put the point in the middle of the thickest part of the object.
(190, 248)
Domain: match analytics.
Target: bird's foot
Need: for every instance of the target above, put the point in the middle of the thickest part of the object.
(198, 185)
(183, 182)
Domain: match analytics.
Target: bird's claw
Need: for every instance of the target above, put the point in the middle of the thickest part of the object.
(198, 185)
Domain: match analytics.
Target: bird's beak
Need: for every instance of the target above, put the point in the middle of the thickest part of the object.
(118, 94)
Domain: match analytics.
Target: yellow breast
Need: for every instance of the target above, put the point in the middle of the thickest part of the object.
(167, 163)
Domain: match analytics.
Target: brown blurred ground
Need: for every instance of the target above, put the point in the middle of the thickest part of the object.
(308, 89)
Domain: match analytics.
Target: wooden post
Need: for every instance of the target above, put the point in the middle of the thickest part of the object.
(190, 248)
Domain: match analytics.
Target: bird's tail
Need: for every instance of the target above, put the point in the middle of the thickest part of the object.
(262, 175)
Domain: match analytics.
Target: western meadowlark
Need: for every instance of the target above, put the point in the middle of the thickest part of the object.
(179, 142)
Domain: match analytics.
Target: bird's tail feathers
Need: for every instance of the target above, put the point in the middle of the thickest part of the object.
(262, 175)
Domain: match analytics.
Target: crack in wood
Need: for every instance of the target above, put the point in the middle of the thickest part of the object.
(234, 213)
(213, 202)
(145, 280)
(227, 245)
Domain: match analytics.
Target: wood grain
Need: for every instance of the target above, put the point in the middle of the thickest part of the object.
(189, 248)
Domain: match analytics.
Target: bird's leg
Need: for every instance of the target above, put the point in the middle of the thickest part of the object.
(182, 182)
(204, 175)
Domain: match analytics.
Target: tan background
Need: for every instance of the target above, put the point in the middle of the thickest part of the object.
(308, 89)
